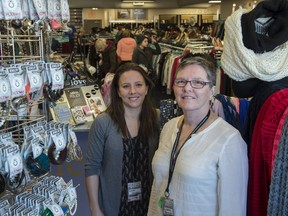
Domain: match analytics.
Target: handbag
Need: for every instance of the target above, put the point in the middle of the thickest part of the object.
(55, 24)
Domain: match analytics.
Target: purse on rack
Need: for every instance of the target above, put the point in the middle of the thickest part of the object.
(55, 24)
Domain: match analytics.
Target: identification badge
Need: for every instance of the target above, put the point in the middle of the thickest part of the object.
(167, 207)
(134, 191)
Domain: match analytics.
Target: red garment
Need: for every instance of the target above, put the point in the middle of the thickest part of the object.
(260, 162)
(279, 134)
(176, 62)
(175, 65)
(109, 44)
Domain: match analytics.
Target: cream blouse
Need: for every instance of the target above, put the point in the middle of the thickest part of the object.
(210, 175)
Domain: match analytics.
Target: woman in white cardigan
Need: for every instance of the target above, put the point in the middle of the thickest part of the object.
(201, 165)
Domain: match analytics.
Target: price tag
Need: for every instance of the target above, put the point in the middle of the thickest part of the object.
(15, 164)
(56, 210)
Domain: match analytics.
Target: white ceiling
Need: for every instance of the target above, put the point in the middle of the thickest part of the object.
(156, 4)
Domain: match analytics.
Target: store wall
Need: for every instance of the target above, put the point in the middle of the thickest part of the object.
(100, 14)
(182, 11)
(110, 14)
(221, 11)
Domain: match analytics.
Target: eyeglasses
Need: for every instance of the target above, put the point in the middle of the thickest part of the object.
(197, 84)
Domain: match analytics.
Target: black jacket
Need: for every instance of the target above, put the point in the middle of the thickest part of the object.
(144, 56)
(109, 58)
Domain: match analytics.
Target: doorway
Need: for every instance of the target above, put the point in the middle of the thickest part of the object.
(89, 24)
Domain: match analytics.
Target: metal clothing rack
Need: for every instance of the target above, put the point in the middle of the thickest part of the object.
(171, 46)
(201, 46)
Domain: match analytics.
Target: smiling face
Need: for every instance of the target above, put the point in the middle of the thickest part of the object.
(191, 99)
(132, 89)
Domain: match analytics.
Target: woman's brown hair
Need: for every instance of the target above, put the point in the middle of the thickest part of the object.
(149, 125)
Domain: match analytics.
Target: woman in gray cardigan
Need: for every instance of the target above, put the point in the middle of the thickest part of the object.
(121, 144)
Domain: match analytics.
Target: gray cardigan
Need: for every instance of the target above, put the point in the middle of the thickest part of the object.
(104, 158)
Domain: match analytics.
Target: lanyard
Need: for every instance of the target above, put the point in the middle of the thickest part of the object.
(175, 155)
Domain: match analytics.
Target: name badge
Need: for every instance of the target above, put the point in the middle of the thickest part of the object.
(134, 191)
(167, 207)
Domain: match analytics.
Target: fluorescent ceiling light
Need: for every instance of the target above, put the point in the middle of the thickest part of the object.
(138, 3)
(215, 1)
(135, 1)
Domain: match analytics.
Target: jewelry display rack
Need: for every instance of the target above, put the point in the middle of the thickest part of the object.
(12, 39)
(10, 53)
(9, 40)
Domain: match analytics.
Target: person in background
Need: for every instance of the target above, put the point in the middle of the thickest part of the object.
(201, 165)
(143, 54)
(83, 43)
(118, 35)
(121, 144)
(69, 31)
(92, 55)
(125, 47)
(139, 30)
(108, 56)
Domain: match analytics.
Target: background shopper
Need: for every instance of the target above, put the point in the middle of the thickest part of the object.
(108, 57)
(143, 54)
(125, 47)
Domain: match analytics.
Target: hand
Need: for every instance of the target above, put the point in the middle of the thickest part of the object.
(153, 39)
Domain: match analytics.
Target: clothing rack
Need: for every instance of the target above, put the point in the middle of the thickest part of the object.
(171, 46)
(200, 45)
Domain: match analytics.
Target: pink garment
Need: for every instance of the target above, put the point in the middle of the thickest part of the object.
(106, 87)
(236, 102)
(217, 108)
(125, 48)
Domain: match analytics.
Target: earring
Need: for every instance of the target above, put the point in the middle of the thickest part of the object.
(212, 102)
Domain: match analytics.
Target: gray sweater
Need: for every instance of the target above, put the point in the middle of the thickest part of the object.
(104, 158)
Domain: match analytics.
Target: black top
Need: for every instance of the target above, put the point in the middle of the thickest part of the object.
(135, 165)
